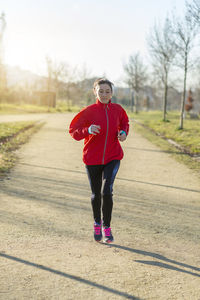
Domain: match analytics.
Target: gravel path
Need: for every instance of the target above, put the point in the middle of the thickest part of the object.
(46, 240)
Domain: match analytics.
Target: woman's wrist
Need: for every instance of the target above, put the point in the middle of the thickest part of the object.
(123, 132)
(90, 130)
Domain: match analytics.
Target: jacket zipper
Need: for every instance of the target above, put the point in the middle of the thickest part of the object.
(106, 136)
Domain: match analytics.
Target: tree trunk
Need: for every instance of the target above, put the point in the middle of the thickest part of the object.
(132, 100)
(183, 95)
(165, 101)
(136, 102)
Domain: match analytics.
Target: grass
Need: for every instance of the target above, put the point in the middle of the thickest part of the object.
(12, 136)
(189, 138)
(8, 130)
(61, 106)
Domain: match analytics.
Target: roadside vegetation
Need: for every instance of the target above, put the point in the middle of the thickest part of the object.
(12, 136)
(186, 148)
(61, 106)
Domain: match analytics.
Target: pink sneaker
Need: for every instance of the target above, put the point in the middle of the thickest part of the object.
(108, 237)
(97, 232)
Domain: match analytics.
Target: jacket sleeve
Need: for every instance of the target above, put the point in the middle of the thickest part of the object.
(124, 121)
(79, 126)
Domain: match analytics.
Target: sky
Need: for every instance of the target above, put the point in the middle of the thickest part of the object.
(100, 35)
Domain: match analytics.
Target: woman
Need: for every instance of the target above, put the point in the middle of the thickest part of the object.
(102, 125)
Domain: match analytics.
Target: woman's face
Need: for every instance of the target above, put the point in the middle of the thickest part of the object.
(103, 92)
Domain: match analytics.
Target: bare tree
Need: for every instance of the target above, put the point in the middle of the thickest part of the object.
(2, 29)
(58, 74)
(84, 84)
(2, 67)
(83, 72)
(194, 10)
(49, 72)
(185, 31)
(162, 50)
(136, 76)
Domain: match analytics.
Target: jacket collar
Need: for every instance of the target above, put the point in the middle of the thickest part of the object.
(104, 105)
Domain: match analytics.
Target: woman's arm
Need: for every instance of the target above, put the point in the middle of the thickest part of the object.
(124, 122)
(79, 126)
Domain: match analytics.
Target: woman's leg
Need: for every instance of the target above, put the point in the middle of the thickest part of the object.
(109, 174)
(95, 178)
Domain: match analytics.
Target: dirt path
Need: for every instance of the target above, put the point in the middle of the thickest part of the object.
(46, 240)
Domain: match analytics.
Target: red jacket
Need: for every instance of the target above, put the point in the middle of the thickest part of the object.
(100, 149)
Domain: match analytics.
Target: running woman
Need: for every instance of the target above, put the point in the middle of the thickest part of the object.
(102, 125)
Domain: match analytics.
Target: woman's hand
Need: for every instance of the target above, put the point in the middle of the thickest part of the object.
(94, 129)
(122, 136)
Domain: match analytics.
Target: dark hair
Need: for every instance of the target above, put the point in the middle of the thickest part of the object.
(103, 81)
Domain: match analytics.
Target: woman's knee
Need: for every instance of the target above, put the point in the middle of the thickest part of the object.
(108, 188)
(96, 197)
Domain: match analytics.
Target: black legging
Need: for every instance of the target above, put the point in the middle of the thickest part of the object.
(106, 174)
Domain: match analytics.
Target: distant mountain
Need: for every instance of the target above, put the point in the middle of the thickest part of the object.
(15, 75)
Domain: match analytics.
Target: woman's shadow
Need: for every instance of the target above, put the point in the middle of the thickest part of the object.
(158, 263)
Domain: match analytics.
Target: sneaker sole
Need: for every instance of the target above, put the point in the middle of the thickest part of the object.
(108, 241)
(98, 240)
